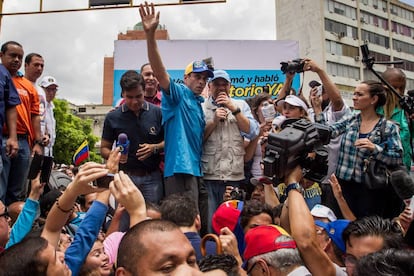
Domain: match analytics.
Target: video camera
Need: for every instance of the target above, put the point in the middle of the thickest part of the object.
(294, 66)
(293, 145)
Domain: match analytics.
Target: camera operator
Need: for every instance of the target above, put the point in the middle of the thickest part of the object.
(393, 111)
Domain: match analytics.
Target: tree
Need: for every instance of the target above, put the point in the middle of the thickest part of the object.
(71, 131)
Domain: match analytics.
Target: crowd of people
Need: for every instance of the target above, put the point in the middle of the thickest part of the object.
(189, 192)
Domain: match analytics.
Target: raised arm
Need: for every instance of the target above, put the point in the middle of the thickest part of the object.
(303, 230)
(150, 21)
(61, 210)
(330, 88)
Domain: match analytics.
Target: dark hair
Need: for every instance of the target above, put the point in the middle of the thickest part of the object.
(376, 88)
(29, 57)
(257, 100)
(375, 226)
(387, 262)
(132, 246)
(180, 209)
(5, 46)
(225, 262)
(23, 258)
(253, 208)
(143, 65)
(131, 80)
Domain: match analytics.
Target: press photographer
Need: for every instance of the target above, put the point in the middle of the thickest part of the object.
(299, 143)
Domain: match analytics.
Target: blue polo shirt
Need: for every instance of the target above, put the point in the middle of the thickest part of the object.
(144, 128)
(183, 121)
(8, 95)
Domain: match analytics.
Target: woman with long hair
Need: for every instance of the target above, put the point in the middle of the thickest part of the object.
(362, 140)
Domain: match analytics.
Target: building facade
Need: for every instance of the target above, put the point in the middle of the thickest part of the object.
(331, 32)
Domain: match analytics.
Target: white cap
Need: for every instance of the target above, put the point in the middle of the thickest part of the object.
(293, 100)
(321, 211)
(48, 81)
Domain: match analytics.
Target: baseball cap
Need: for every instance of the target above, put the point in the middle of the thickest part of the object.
(227, 215)
(198, 67)
(293, 100)
(262, 239)
(263, 180)
(221, 74)
(321, 211)
(314, 83)
(48, 81)
(334, 229)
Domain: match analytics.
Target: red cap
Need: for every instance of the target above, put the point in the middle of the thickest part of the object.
(227, 215)
(262, 239)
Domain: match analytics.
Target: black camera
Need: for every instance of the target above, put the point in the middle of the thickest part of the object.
(238, 194)
(294, 66)
(299, 143)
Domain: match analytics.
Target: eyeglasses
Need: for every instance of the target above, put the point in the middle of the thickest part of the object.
(251, 269)
(5, 214)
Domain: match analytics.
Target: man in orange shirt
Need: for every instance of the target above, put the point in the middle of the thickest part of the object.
(13, 178)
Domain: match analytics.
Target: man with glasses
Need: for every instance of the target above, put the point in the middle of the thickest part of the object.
(270, 250)
(50, 87)
(368, 235)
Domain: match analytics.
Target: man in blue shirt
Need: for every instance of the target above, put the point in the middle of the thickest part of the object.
(182, 114)
(8, 112)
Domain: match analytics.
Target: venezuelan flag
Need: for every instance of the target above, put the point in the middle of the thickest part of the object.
(81, 154)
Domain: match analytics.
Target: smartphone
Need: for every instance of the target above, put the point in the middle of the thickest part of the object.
(47, 166)
(103, 182)
(35, 166)
(319, 90)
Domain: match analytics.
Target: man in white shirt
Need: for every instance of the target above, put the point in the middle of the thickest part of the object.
(50, 87)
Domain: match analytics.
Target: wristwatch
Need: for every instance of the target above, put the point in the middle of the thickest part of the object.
(294, 186)
(237, 111)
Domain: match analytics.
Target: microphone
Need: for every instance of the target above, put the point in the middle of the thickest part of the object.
(123, 144)
(403, 184)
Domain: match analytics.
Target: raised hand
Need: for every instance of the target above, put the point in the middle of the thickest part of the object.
(149, 18)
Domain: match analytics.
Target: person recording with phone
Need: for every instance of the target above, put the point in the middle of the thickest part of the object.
(135, 127)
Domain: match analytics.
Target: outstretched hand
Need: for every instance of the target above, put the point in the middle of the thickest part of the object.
(149, 18)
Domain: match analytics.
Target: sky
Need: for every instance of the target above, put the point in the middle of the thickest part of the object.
(74, 44)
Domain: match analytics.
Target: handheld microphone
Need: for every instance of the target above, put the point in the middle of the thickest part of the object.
(403, 184)
(123, 144)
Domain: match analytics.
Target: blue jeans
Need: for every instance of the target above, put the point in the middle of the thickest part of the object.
(151, 186)
(13, 178)
(216, 189)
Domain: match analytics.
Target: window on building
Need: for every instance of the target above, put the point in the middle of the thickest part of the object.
(342, 70)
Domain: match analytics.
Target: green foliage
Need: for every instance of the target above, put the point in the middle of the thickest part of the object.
(71, 131)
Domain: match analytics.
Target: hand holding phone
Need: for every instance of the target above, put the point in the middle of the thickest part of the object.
(103, 182)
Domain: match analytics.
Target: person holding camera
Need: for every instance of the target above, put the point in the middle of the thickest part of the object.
(362, 140)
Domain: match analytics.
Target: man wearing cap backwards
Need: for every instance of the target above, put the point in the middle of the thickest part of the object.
(182, 115)
(228, 121)
(14, 175)
(50, 87)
